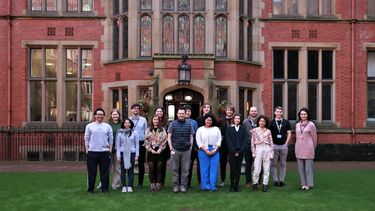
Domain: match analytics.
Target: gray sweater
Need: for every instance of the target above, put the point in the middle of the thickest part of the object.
(98, 137)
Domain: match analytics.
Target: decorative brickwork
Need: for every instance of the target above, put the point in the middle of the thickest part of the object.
(69, 31)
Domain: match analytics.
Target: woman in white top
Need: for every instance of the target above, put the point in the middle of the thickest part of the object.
(208, 140)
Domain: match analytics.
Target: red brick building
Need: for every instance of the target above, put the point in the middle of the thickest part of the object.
(61, 59)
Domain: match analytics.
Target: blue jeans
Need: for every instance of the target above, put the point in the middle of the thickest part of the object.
(130, 171)
(209, 166)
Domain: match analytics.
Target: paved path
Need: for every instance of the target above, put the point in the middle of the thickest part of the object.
(67, 166)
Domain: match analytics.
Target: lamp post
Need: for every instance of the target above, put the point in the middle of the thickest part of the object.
(184, 71)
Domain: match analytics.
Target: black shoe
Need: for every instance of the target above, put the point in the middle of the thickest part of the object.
(265, 188)
(276, 184)
(231, 189)
(282, 184)
(255, 187)
(237, 189)
(140, 186)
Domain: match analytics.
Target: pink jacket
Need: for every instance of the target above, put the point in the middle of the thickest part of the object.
(306, 141)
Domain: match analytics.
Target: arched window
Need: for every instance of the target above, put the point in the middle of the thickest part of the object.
(168, 34)
(221, 36)
(199, 34)
(168, 5)
(183, 5)
(146, 4)
(221, 5)
(183, 34)
(125, 36)
(115, 40)
(241, 40)
(146, 35)
(199, 5)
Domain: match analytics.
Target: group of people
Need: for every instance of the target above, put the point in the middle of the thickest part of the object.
(261, 142)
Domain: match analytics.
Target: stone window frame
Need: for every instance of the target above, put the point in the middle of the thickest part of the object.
(44, 8)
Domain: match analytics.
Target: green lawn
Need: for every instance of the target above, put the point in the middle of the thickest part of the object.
(334, 190)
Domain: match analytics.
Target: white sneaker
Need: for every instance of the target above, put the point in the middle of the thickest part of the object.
(130, 189)
(222, 184)
(124, 190)
(99, 186)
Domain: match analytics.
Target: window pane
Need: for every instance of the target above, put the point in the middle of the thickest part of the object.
(250, 8)
(312, 100)
(71, 101)
(221, 36)
(168, 35)
(292, 101)
(71, 63)
(199, 34)
(249, 100)
(115, 99)
(277, 95)
(292, 7)
(183, 34)
(115, 5)
(222, 94)
(51, 102)
(35, 100)
(370, 8)
(278, 64)
(51, 5)
(327, 7)
(36, 5)
(241, 102)
(278, 7)
(146, 36)
(371, 65)
(72, 5)
(221, 5)
(36, 62)
(241, 7)
(115, 41)
(241, 40)
(371, 101)
(87, 5)
(292, 64)
(313, 64)
(168, 5)
(146, 4)
(125, 48)
(51, 62)
(86, 63)
(199, 5)
(326, 101)
(183, 5)
(125, 6)
(86, 101)
(313, 7)
(124, 96)
(327, 60)
(249, 41)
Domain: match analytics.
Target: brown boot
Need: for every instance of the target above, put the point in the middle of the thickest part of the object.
(157, 187)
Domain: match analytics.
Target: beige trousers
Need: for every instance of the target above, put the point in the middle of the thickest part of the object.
(116, 180)
(262, 158)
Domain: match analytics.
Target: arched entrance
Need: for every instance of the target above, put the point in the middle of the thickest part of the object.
(180, 97)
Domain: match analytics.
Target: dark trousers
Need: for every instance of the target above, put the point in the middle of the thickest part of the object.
(194, 156)
(141, 162)
(155, 163)
(165, 154)
(93, 160)
(130, 171)
(223, 160)
(235, 169)
(248, 164)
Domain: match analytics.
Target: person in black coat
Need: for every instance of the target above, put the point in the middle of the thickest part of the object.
(237, 138)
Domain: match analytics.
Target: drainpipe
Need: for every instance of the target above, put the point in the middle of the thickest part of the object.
(9, 17)
(352, 74)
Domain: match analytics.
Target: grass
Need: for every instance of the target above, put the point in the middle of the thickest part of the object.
(334, 190)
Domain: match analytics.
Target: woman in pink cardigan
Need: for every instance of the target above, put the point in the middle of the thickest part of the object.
(306, 141)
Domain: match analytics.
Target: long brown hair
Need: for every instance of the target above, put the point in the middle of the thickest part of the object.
(151, 124)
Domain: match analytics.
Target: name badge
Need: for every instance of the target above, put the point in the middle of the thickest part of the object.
(279, 136)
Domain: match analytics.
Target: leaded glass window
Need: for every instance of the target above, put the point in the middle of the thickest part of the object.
(168, 35)
(199, 34)
(221, 5)
(43, 5)
(72, 5)
(86, 5)
(221, 36)
(199, 5)
(36, 5)
(168, 5)
(51, 5)
(146, 35)
(183, 5)
(183, 34)
(146, 4)
(125, 38)
(115, 41)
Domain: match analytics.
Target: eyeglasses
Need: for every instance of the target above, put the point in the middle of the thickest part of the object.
(99, 114)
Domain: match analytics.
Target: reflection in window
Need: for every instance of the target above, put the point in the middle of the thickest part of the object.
(86, 63)
(51, 101)
(199, 34)
(71, 101)
(146, 36)
(221, 5)
(168, 35)
(86, 5)
(51, 62)
(168, 5)
(146, 4)
(86, 101)
(285, 7)
(183, 34)
(36, 62)
(199, 5)
(71, 63)
(36, 101)
(183, 5)
(221, 36)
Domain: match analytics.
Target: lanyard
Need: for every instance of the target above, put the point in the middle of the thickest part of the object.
(279, 126)
(300, 127)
